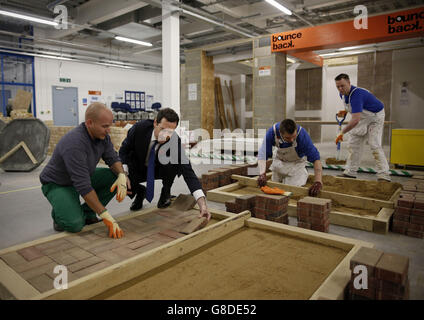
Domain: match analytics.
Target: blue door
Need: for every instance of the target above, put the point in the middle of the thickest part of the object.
(65, 106)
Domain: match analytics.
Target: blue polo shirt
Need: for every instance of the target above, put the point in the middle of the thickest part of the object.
(362, 99)
(305, 147)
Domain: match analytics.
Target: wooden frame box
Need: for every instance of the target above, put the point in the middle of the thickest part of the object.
(332, 286)
(378, 223)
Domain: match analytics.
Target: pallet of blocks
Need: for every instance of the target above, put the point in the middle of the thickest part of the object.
(378, 275)
(313, 213)
(408, 218)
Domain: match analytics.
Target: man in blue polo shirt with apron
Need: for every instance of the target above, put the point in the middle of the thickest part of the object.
(367, 123)
(288, 166)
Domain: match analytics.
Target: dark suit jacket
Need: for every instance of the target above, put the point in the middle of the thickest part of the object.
(135, 147)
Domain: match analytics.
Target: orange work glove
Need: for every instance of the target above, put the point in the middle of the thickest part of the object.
(342, 113)
(114, 230)
(121, 184)
(339, 138)
(269, 190)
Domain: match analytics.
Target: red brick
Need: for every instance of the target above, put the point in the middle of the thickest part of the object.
(303, 217)
(171, 233)
(417, 220)
(318, 221)
(284, 218)
(406, 202)
(415, 234)
(418, 212)
(305, 225)
(91, 269)
(401, 217)
(391, 288)
(400, 224)
(261, 211)
(319, 214)
(30, 253)
(403, 211)
(415, 227)
(137, 244)
(304, 204)
(303, 211)
(393, 268)
(84, 264)
(369, 293)
(368, 257)
(42, 283)
(260, 216)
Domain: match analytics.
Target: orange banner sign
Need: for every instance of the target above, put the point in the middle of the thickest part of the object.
(387, 27)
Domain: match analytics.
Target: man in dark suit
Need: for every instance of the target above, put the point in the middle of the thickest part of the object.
(152, 150)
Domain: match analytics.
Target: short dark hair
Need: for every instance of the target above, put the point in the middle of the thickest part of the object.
(169, 114)
(342, 76)
(287, 125)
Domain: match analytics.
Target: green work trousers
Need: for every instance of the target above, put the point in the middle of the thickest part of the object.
(68, 212)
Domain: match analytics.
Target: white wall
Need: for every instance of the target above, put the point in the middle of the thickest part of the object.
(408, 67)
(109, 80)
(291, 90)
(331, 102)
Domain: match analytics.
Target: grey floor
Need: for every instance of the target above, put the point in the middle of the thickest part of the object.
(25, 213)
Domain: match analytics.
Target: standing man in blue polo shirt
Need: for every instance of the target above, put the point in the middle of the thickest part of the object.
(288, 166)
(367, 123)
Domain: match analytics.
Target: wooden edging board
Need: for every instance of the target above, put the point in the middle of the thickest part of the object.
(379, 223)
(332, 288)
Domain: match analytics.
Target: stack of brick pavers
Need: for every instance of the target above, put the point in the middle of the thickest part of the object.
(220, 177)
(266, 207)
(386, 274)
(408, 217)
(313, 213)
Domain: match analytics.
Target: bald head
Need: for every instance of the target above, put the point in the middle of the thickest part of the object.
(98, 120)
(96, 110)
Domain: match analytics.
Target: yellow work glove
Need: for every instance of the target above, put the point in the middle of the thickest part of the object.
(339, 138)
(121, 183)
(114, 230)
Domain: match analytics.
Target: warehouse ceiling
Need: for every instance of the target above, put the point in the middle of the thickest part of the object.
(93, 24)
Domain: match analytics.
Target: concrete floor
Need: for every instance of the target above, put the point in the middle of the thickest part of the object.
(25, 213)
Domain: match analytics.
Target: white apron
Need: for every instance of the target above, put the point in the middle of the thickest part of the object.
(287, 167)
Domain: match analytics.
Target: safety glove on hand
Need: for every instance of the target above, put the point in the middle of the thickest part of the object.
(262, 180)
(315, 189)
(114, 230)
(121, 184)
(339, 138)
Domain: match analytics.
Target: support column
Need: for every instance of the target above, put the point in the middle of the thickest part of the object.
(198, 91)
(375, 75)
(269, 85)
(170, 57)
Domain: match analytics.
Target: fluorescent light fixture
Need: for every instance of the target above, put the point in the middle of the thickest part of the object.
(142, 43)
(29, 18)
(291, 60)
(335, 54)
(279, 6)
(356, 47)
(115, 65)
(52, 57)
(193, 14)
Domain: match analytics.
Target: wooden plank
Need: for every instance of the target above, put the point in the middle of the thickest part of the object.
(11, 151)
(306, 234)
(15, 284)
(382, 221)
(349, 200)
(333, 288)
(29, 153)
(116, 274)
